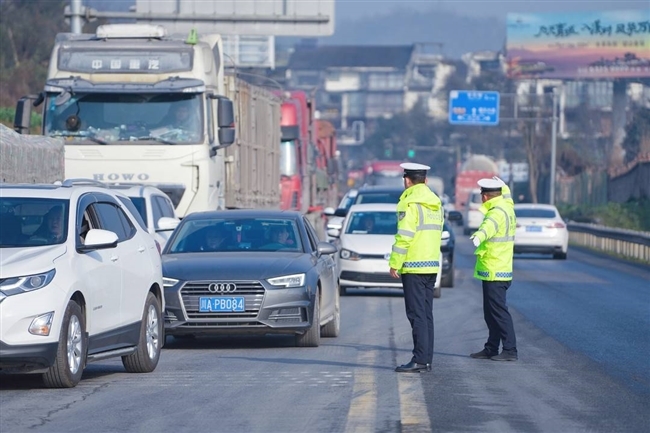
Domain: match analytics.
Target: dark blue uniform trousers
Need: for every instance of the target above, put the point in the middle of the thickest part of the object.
(497, 317)
(418, 299)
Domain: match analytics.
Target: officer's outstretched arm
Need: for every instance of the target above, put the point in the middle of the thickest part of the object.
(488, 227)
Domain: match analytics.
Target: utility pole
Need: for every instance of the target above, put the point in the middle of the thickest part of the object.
(553, 146)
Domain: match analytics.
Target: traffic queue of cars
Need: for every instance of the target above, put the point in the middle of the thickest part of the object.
(89, 272)
(83, 277)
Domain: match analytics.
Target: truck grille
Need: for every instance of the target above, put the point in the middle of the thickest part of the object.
(252, 291)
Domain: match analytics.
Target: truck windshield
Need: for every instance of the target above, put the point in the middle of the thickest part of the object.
(288, 158)
(120, 118)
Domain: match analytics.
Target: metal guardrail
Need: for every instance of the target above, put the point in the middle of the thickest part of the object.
(626, 243)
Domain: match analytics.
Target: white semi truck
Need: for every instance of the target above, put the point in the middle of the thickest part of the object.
(136, 105)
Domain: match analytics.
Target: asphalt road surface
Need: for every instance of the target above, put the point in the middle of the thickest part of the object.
(583, 333)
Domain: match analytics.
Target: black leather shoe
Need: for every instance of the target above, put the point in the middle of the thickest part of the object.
(483, 354)
(505, 356)
(412, 367)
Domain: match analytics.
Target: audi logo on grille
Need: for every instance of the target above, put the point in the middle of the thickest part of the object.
(222, 287)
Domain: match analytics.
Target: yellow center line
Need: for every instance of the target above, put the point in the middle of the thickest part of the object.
(363, 407)
(413, 409)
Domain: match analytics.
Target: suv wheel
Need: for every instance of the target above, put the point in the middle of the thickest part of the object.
(145, 358)
(71, 352)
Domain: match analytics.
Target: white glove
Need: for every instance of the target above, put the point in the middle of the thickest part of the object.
(475, 241)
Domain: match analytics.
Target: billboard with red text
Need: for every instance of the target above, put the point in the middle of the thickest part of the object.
(579, 45)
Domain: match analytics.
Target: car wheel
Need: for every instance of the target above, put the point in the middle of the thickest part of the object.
(333, 328)
(343, 290)
(145, 358)
(559, 256)
(437, 292)
(71, 352)
(467, 231)
(447, 280)
(311, 338)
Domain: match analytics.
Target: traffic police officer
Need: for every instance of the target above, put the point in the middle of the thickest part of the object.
(494, 241)
(415, 257)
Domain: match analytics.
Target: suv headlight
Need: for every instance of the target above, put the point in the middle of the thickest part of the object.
(29, 283)
(349, 255)
(296, 280)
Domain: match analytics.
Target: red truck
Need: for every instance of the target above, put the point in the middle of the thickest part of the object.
(308, 166)
(474, 168)
(384, 173)
(468, 198)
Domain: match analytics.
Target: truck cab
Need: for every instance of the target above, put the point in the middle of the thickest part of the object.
(134, 104)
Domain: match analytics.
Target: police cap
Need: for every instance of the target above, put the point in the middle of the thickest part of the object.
(490, 185)
(414, 169)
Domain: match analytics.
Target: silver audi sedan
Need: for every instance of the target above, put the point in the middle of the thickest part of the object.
(250, 271)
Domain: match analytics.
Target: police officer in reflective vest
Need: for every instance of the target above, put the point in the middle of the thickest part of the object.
(494, 241)
(415, 257)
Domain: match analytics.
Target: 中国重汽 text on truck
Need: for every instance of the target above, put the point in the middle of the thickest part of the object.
(136, 105)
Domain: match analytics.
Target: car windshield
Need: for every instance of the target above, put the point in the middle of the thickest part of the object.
(534, 213)
(233, 235)
(372, 223)
(32, 222)
(379, 197)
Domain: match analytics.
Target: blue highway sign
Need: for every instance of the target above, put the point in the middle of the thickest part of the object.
(472, 107)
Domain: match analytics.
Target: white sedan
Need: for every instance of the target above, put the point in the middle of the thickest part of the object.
(365, 242)
(541, 229)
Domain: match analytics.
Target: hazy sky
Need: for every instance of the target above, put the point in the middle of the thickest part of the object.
(354, 9)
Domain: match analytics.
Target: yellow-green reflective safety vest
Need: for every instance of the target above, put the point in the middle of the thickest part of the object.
(497, 235)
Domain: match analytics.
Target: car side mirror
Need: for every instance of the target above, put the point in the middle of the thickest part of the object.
(328, 211)
(445, 235)
(167, 224)
(98, 239)
(326, 248)
(334, 233)
(454, 215)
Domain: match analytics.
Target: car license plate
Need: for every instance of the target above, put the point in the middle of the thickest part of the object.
(221, 304)
(533, 228)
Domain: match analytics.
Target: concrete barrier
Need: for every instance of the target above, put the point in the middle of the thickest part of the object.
(30, 158)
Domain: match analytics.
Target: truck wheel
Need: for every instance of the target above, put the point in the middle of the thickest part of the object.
(71, 352)
(145, 358)
(333, 328)
(311, 338)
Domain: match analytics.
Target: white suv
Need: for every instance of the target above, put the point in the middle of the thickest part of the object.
(80, 281)
(155, 208)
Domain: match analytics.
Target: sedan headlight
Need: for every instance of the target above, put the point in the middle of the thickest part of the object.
(349, 255)
(296, 280)
(169, 282)
(29, 283)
